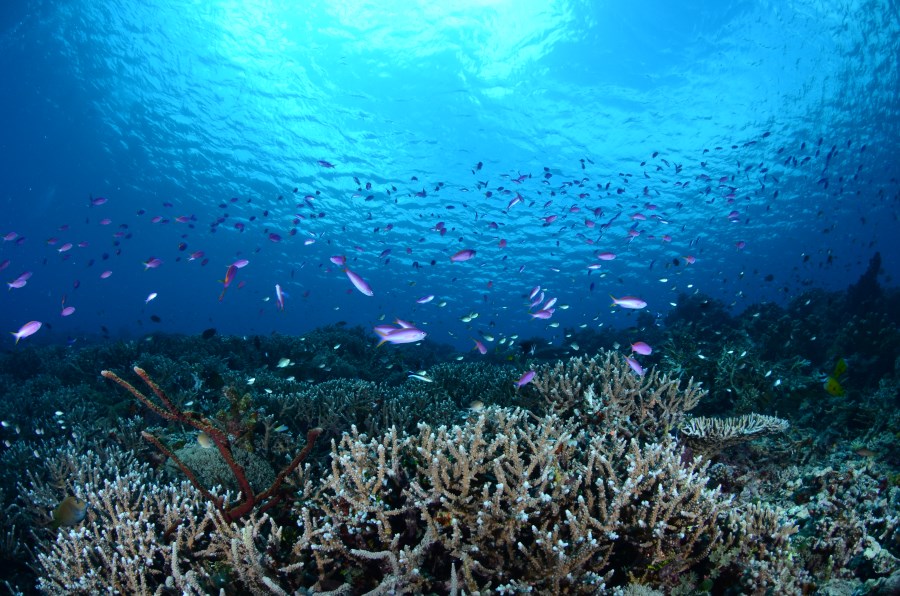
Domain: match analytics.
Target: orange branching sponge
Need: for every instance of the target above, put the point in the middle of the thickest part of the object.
(168, 410)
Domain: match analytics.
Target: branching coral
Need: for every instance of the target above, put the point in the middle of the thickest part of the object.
(605, 395)
(711, 435)
(507, 496)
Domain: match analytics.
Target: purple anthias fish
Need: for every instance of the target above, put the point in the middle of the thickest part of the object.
(359, 282)
(403, 335)
(29, 328)
(525, 379)
(628, 302)
(641, 348)
(279, 297)
(635, 366)
(463, 255)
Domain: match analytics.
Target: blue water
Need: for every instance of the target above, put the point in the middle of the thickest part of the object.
(171, 109)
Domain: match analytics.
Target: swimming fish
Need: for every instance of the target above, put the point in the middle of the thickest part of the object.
(204, 441)
(69, 512)
(832, 382)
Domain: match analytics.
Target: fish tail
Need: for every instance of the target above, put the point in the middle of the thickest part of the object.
(613, 300)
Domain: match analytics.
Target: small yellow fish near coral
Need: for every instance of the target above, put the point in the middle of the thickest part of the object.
(204, 440)
(69, 512)
(832, 384)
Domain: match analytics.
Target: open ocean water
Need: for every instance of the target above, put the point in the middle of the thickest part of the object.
(506, 181)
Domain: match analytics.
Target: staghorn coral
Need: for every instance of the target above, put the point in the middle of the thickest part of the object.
(607, 396)
(757, 554)
(508, 497)
(709, 436)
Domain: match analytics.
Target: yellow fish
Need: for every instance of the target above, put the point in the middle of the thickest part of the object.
(69, 512)
(833, 387)
(839, 368)
(204, 440)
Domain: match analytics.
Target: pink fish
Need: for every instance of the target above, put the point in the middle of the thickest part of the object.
(404, 335)
(240, 263)
(65, 247)
(28, 329)
(98, 201)
(105, 221)
(628, 302)
(4, 264)
(229, 277)
(606, 256)
(463, 255)
(152, 263)
(274, 237)
(502, 243)
(279, 297)
(534, 292)
(338, 260)
(689, 259)
(359, 283)
(196, 255)
(10, 237)
(67, 311)
(740, 245)
(542, 314)
(641, 348)
(382, 330)
(105, 274)
(425, 299)
(635, 366)
(17, 283)
(480, 347)
(525, 379)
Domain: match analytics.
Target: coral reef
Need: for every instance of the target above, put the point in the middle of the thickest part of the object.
(590, 479)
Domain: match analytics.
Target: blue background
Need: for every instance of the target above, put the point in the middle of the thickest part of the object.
(191, 104)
